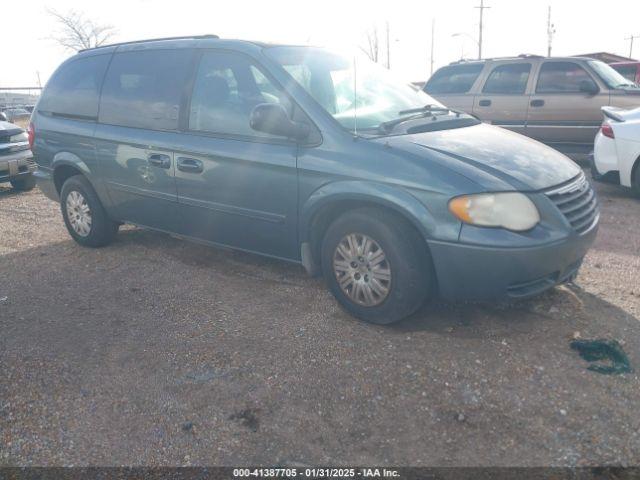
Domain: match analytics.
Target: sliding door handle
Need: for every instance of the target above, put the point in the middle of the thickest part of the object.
(191, 165)
(159, 160)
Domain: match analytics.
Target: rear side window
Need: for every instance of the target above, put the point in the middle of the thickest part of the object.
(144, 89)
(508, 79)
(74, 89)
(562, 77)
(454, 79)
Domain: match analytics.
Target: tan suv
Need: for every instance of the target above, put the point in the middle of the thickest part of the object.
(554, 100)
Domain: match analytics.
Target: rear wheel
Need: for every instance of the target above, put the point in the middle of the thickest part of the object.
(24, 184)
(84, 215)
(376, 265)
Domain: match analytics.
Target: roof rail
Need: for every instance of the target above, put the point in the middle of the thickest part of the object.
(187, 37)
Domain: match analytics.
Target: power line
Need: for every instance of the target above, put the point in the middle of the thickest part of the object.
(482, 8)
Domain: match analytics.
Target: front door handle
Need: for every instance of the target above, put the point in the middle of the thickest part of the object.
(537, 103)
(159, 160)
(186, 164)
(485, 103)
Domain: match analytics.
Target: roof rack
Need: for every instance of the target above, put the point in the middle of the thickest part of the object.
(188, 37)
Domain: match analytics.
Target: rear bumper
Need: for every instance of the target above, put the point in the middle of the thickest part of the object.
(16, 165)
(44, 180)
(472, 272)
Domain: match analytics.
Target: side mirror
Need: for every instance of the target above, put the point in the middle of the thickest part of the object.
(272, 118)
(588, 87)
(3, 117)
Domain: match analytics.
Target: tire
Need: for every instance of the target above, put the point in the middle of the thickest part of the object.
(406, 263)
(24, 184)
(77, 199)
(635, 181)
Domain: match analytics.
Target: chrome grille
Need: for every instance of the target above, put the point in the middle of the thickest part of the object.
(578, 203)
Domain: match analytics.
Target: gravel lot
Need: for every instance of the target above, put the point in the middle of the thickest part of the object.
(155, 351)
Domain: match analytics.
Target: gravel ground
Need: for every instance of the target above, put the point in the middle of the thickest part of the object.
(156, 351)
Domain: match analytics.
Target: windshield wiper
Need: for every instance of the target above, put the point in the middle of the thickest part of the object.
(420, 112)
(427, 108)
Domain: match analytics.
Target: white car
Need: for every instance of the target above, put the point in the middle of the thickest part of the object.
(616, 155)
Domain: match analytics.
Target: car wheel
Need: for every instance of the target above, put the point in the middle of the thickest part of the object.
(635, 181)
(84, 215)
(376, 265)
(24, 184)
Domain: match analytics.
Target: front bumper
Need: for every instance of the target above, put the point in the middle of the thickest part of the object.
(16, 165)
(478, 273)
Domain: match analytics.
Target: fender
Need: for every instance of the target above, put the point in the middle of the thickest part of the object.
(377, 193)
(72, 160)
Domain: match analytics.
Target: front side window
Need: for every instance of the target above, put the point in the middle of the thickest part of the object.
(73, 90)
(227, 88)
(455, 79)
(508, 79)
(358, 93)
(143, 89)
(562, 77)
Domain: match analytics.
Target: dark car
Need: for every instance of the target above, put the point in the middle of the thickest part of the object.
(16, 160)
(304, 155)
(19, 116)
(629, 70)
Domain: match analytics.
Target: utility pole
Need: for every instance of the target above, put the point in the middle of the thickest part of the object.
(631, 38)
(388, 48)
(482, 9)
(551, 30)
(433, 29)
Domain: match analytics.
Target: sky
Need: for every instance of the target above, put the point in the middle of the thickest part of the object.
(511, 27)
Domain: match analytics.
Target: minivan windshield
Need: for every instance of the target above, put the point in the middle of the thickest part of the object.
(361, 95)
(609, 76)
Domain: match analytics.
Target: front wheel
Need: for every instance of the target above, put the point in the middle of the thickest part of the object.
(24, 184)
(376, 265)
(84, 215)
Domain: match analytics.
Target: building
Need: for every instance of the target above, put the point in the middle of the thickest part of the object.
(607, 57)
(23, 97)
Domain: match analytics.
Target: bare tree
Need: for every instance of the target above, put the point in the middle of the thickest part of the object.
(76, 32)
(372, 49)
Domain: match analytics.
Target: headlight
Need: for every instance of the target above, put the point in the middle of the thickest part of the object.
(511, 210)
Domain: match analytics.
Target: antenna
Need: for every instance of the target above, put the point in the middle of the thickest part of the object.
(433, 29)
(355, 98)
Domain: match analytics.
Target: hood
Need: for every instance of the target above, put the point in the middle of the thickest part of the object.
(512, 158)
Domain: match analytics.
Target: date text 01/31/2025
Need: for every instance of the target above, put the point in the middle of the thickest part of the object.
(315, 472)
